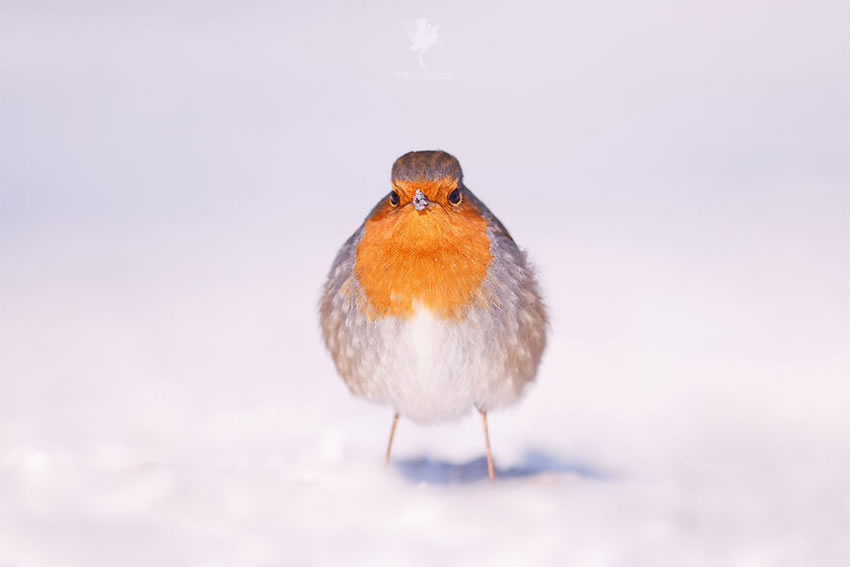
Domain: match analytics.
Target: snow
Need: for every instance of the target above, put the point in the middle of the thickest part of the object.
(171, 179)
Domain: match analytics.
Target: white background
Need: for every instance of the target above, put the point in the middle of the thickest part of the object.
(177, 177)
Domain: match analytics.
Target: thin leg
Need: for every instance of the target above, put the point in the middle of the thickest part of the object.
(392, 434)
(487, 441)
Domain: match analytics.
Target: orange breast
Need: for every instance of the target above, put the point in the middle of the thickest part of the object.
(436, 258)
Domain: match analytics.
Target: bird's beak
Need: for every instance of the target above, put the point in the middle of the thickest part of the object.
(420, 201)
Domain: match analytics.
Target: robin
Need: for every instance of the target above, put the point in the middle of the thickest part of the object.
(430, 307)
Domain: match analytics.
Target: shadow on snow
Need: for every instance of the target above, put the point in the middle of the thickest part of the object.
(533, 464)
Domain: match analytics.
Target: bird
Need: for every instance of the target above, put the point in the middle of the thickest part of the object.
(430, 307)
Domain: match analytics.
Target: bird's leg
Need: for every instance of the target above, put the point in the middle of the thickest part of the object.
(392, 434)
(487, 442)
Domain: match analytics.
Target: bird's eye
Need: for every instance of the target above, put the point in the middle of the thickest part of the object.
(394, 198)
(455, 197)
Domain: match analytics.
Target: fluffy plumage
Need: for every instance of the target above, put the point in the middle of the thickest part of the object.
(434, 312)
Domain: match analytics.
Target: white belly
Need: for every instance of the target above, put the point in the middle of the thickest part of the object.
(432, 369)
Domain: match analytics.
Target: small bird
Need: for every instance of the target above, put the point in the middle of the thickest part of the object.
(430, 307)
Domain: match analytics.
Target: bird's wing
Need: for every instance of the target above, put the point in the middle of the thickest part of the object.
(495, 223)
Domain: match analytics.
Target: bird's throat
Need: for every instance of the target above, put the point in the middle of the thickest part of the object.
(437, 259)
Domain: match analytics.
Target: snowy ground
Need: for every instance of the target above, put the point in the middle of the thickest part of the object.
(177, 177)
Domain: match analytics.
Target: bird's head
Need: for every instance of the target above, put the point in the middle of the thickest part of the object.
(426, 180)
(426, 242)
